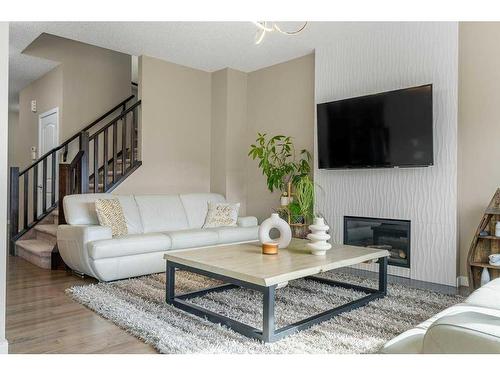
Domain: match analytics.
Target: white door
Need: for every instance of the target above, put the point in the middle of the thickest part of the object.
(48, 138)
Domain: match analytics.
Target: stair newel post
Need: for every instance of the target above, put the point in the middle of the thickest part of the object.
(132, 137)
(14, 207)
(84, 172)
(64, 189)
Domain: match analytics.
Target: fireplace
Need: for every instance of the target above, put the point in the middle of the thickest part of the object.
(392, 235)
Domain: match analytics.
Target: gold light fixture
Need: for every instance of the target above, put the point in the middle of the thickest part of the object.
(268, 27)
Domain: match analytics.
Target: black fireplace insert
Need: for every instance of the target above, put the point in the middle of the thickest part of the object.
(389, 234)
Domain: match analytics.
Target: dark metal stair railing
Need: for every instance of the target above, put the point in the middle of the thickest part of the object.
(25, 208)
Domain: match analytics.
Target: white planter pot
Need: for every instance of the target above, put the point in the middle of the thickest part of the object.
(284, 201)
(275, 222)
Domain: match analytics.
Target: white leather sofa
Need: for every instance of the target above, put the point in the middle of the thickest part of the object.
(469, 327)
(156, 224)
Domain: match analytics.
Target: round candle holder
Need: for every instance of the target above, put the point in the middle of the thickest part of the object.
(270, 248)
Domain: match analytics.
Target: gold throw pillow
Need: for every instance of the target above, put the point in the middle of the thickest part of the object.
(110, 214)
(221, 215)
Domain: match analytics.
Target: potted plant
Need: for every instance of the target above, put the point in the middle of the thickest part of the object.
(278, 161)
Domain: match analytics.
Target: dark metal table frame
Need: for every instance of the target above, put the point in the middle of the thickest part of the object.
(268, 333)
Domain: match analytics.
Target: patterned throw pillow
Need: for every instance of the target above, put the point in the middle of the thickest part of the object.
(221, 215)
(110, 214)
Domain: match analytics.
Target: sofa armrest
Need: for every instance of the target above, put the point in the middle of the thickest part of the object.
(72, 243)
(247, 221)
(467, 332)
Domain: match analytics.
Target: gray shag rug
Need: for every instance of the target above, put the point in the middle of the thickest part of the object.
(137, 305)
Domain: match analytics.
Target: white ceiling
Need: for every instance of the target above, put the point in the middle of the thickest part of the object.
(208, 46)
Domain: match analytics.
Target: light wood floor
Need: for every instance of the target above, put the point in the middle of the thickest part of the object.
(42, 319)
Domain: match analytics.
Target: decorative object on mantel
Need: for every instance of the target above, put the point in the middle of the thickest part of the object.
(318, 237)
(275, 222)
(497, 229)
(483, 246)
(485, 276)
(270, 248)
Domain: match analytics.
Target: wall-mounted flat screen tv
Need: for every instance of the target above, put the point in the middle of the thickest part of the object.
(386, 130)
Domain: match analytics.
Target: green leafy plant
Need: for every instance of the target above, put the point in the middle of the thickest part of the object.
(304, 198)
(277, 159)
(296, 216)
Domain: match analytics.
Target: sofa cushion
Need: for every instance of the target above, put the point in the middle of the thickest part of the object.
(184, 239)
(160, 213)
(196, 206)
(409, 342)
(467, 332)
(79, 209)
(110, 214)
(247, 221)
(131, 212)
(236, 234)
(486, 296)
(221, 215)
(129, 245)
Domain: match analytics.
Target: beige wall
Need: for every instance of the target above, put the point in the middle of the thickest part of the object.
(13, 124)
(228, 136)
(218, 132)
(48, 93)
(478, 126)
(175, 129)
(4, 83)
(88, 82)
(280, 101)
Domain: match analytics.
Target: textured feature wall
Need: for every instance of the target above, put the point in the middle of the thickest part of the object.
(392, 56)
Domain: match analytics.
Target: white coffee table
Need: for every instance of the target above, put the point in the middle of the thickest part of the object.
(244, 265)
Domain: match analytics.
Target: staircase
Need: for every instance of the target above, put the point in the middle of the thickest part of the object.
(101, 156)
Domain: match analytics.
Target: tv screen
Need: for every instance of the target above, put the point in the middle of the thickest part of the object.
(390, 129)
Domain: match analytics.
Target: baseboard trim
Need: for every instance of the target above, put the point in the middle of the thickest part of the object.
(4, 346)
(462, 281)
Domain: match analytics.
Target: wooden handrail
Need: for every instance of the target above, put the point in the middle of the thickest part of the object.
(117, 118)
(71, 139)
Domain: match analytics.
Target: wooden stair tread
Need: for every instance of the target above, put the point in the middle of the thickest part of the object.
(37, 247)
(47, 228)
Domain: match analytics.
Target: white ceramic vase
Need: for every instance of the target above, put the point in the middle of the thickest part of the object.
(485, 276)
(318, 237)
(497, 229)
(275, 222)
